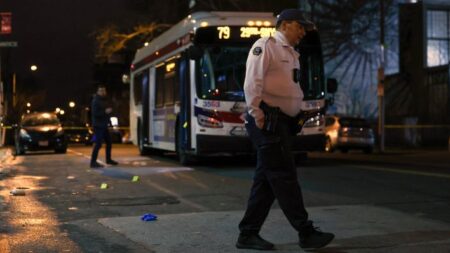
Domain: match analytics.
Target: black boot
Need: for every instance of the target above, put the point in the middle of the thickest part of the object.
(112, 162)
(312, 237)
(253, 241)
(96, 165)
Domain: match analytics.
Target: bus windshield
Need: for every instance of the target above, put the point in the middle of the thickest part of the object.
(221, 72)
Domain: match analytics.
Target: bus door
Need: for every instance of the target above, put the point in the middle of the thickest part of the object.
(184, 117)
(146, 107)
(141, 88)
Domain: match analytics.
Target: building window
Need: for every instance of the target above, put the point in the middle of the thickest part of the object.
(438, 37)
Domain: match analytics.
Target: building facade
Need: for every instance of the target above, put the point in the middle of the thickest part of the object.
(418, 97)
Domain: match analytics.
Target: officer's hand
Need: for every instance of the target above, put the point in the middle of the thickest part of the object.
(259, 123)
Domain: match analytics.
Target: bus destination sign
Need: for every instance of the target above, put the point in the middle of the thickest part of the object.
(230, 34)
(224, 32)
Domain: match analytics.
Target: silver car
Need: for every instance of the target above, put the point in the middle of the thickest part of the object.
(345, 133)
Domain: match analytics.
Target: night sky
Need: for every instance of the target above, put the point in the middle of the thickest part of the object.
(56, 35)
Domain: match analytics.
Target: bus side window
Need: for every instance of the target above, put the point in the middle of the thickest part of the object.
(169, 83)
(159, 92)
(176, 87)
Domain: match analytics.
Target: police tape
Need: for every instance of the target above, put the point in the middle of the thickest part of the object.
(73, 128)
(385, 126)
(415, 126)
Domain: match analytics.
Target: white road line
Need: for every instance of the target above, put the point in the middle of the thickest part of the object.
(85, 156)
(160, 188)
(408, 172)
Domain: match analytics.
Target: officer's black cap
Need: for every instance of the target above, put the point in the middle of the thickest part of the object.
(294, 15)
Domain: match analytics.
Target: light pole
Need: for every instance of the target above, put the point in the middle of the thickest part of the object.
(381, 80)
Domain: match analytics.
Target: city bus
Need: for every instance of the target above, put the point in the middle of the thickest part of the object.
(186, 89)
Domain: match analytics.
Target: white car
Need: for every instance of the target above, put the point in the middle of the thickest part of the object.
(345, 133)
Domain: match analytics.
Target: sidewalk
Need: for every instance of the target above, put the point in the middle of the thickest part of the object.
(5, 158)
(358, 228)
(5, 152)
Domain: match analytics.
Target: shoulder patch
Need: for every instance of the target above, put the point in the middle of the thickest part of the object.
(257, 51)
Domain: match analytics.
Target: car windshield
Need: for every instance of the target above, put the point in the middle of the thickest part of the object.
(40, 120)
(221, 73)
(353, 122)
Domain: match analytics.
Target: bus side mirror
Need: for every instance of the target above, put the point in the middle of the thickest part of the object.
(332, 85)
(195, 52)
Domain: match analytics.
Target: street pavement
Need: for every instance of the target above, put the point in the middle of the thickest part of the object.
(358, 227)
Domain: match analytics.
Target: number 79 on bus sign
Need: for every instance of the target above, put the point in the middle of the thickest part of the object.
(224, 32)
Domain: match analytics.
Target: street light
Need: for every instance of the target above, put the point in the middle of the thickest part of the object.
(33, 67)
(28, 104)
(57, 110)
(61, 112)
(71, 104)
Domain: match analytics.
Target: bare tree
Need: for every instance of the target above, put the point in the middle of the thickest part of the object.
(350, 36)
(110, 40)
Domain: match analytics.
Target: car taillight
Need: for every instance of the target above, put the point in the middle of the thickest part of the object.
(343, 131)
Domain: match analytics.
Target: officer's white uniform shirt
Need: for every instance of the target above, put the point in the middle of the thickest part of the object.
(269, 76)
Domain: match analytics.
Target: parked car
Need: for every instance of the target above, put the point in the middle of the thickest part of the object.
(78, 134)
(346, 133)
(39, 131)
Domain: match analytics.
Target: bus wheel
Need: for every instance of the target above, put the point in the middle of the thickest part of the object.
(142, 150)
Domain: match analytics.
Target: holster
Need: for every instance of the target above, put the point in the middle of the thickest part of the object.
(271, 115)
(302, 118)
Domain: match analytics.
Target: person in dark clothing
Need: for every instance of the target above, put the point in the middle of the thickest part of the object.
(101, 111)
(274, 98)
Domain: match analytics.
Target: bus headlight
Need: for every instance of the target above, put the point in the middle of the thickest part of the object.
(210, 122)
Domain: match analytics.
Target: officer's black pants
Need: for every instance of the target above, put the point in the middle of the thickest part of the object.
(275, 178)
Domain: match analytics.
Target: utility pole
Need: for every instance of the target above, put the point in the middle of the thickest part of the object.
(381, 80)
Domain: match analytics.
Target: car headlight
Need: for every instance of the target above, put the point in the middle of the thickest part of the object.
(23, 133)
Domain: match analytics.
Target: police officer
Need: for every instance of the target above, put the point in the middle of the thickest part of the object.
(271, 86)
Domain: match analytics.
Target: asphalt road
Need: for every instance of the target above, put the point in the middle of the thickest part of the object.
(64, 199)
